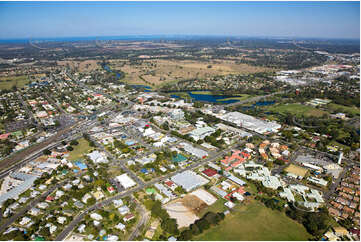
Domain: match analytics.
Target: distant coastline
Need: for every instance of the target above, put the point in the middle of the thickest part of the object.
(160, 37)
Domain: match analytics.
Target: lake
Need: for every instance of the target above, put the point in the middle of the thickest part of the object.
(146, 88)
(209, 98)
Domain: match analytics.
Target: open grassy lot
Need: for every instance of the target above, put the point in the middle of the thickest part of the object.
(79, 150)
(10, 81)
(240, 97)
(297, 109)
(216, 207)
(343, 109)
(158, 72)
(255, 222)
(299, 171)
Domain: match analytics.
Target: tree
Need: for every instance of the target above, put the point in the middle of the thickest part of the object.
(69, 148)
(57, 123)
(180, 190)
(269, 164)
(46, 152)
(186, 235)
(202, 224)
(74, 142)
(165, 126)
(170, 225)
(194, 229)
(91, 201)
(45, 232)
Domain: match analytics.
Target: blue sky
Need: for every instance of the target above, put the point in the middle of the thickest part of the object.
(288, 19)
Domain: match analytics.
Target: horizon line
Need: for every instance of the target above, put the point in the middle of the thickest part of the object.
(184, 35)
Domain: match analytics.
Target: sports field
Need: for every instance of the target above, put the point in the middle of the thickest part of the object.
(9, 82)
(255, 222)
(297, 109)
(79, 150)
(299, 171)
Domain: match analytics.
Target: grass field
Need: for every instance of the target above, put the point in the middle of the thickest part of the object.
(240, 98)
(299, 171)
(296, 109)
(157, 72)
(19, 81)
(79, 150)
(216, 207)
(343, 109)
(255, 222)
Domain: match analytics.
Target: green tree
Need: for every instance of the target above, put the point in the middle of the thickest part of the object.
(46, 152)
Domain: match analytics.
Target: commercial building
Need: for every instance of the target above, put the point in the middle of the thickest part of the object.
(201, 133)
(27, 182)
(189, 180)
(194, 151)
(251, 123)
(125, 181)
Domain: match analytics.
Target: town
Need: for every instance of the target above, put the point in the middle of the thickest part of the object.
(179, 137)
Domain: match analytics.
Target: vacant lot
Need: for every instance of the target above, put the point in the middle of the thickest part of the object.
(297, 109)
(181, 213)
(79, 150)
(255, 222)
(299, 171)
(10, 81)
(159, 72)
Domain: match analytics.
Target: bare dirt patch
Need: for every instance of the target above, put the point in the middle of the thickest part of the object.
(299, 171)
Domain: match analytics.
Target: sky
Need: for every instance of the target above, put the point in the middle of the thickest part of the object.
(251, 19)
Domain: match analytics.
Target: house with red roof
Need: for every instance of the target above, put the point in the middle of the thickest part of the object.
(171, 185)
(49, 198)
(4, 136)
(209, 172)
(234, 160)
(110, 189)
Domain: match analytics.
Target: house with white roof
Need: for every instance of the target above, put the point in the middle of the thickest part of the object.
(81, 228)
(96, 216)
(123, 210)
(126, 181)
(120, 226)
(98, 157)
(118, 203)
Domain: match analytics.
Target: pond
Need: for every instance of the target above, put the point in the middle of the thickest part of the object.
(118, 75)
(107, 68)
(209, 98)
(143, 87)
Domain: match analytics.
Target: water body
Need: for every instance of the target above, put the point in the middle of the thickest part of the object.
(209, 98)
(118, 75)
(141, 86)
(107, 68)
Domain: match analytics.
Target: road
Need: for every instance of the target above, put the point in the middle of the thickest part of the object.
(144, 217)
(29, 112)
